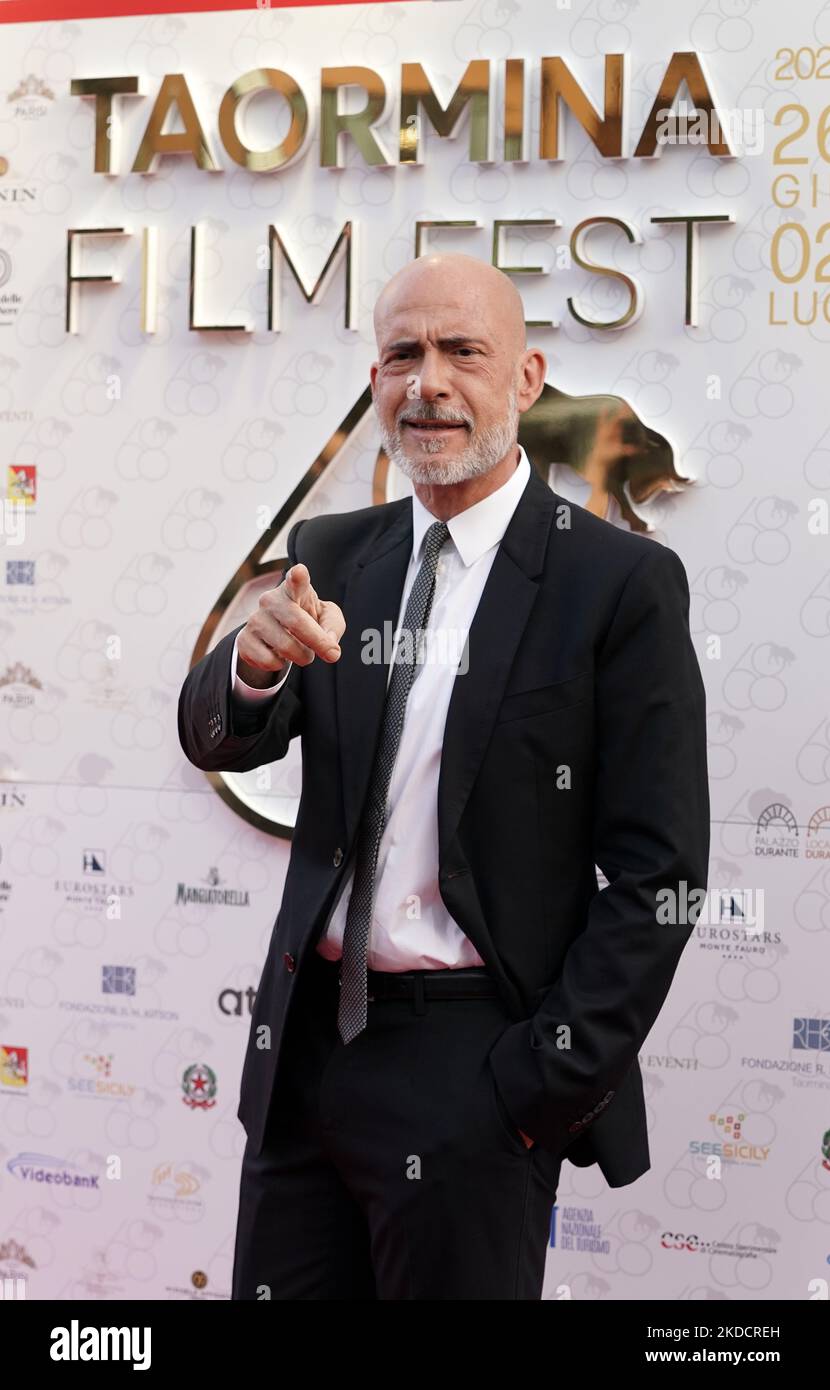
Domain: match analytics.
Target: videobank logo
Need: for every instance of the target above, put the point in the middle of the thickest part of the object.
(43, 1168)
(76, 1343)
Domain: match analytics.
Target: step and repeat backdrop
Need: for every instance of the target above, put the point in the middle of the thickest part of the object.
(197, 212)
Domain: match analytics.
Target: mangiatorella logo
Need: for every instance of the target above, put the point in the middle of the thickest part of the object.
(76, 1343)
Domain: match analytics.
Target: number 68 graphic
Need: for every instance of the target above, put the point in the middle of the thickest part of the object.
(597, 445)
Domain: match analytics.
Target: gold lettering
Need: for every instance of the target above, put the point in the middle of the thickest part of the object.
(156, 143)
(417, 92)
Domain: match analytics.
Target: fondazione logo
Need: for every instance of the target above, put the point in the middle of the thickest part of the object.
(76, 1343)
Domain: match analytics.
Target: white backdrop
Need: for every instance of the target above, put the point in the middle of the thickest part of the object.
(150, 462)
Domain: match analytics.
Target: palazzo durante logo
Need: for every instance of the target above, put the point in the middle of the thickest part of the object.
(605, 459)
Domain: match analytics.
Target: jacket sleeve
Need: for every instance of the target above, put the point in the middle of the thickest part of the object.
(220, 734)
(557, 1070)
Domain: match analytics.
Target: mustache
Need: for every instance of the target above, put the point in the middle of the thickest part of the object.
(426, 411)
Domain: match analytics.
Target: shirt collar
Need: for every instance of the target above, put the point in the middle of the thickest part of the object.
(478, 528)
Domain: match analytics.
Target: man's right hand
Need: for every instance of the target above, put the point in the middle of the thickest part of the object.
(290, 624)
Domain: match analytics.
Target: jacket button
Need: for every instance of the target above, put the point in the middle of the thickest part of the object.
(289, 962)
(338, 857)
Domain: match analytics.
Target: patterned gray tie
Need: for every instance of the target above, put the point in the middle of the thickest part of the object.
(351, 1011)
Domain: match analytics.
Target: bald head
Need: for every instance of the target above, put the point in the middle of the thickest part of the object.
(454, 372)
(479, 291)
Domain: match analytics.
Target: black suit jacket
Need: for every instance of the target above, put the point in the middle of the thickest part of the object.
(575, 738)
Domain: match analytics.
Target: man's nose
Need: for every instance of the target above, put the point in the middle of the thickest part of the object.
(433, 377)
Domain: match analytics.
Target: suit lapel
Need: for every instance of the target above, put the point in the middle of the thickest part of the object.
(494, 637)
(371, 600)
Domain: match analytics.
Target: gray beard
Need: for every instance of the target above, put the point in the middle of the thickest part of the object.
(485, 448)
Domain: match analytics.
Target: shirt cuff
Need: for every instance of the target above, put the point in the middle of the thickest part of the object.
(252, 694)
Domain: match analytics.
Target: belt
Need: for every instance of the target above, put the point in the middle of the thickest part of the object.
(472, 982)
(431, 984)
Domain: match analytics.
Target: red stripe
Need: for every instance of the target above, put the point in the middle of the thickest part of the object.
(29, 11)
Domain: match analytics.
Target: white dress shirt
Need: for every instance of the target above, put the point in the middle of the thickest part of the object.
(411, 927)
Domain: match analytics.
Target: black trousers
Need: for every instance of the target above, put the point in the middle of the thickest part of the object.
(391, 1169)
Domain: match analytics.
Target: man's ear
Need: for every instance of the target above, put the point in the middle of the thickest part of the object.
(532, 378)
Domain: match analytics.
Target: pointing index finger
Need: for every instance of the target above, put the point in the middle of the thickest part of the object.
(297, 583)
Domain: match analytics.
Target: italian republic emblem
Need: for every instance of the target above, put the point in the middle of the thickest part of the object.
(199, 1087)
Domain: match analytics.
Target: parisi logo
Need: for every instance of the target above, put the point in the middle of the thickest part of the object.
(76, 1343)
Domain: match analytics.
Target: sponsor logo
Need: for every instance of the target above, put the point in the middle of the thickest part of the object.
(818, 835)
(94, 893)
(15, 1264)
(15, 192)
(23, 593)
(10, 301)
(175, 1189)
(232, 1001)
(101, 1085)
(31, 98)
(212, 893)
(118, 979)
(732, 1147)
(43, 1168)
(17, 683)
(577, 1229)
(115, 1011)
(811, 1034)
(20, 572)
(14, 1067)
(804, 1073)
(197, 1288)
(776, 832)
(22, 483)
(765, 1244)
(199, 1087)
(660, 1061)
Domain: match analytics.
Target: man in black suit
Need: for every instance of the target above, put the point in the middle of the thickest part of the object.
(450, 1006)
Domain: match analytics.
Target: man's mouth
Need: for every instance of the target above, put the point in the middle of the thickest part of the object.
(434, 425)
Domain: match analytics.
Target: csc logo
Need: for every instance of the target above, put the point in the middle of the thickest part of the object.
(670, 1241)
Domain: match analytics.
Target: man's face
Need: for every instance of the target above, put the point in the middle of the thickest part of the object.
(443, 385)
